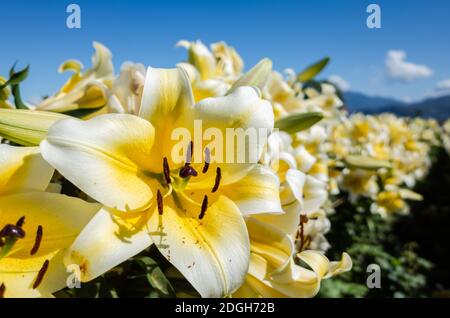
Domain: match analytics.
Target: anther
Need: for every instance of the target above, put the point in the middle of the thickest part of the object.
(303, 218)
(300, 232)
(37, 242)
(204, 207)
(187, 171)
(217, 181)
(41, 274)
(166, 170)
(159, 200)
(2, 290)
(10, 230)
(190, 150)
(20, 222)
(207, 160)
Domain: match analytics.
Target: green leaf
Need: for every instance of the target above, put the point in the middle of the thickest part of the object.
(366, 163)
(311, 71)
(15, 90)
(16, 78)
(155, 276)
(256, 76)
(298, 122)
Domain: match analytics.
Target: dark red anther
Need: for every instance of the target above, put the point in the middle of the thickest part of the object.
(166, 170)
(189, 153)
(20, 222)
(303, 218)
(159, 201)
(41, 274)
(13, 231)
(2, 290)
(187, 171)
(204, 207)
(207, 160)
(217, 181)
(37, 242)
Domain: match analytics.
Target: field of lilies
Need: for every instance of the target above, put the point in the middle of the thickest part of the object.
(207, 181)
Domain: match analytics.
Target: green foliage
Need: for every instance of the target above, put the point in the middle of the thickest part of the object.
(412, 264)
(15, 78)
(370, 239)
(298, 122)
(147, 275)
(311, 71)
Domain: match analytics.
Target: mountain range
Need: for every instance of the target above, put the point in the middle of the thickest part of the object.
(436, 107)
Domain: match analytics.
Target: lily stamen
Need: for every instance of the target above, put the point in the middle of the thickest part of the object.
(207, 160)
(2, 290)
(300, 233)
(189, 152)
(166, 170)
(20, 222)
(204, 207)
(217, 181)
(13, 231)
(159, 201)
(187, 171)
(37, 242)
(41, 274)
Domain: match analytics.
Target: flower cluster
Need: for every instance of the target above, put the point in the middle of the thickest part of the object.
(230, 227)
(156, 159)
(446, 135)
(382, 157)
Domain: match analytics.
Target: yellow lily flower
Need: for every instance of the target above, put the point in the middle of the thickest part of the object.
(36, 227)
(273, 271)
(191, 210)
(88, 90)
(211, 71)
(275, 238)
(127, 88)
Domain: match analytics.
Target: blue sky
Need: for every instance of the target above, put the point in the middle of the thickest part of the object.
(292, 33)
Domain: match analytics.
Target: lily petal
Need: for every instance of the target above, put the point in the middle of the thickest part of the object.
(298, 281)
(23, 169)
(315, 194)
(212, 253)
(110, 238)
(257, 192)
(102, 156)
(270, 243)
(167, 92)
(292, 200)
(339, 267)
(240, 113)
(167, 103)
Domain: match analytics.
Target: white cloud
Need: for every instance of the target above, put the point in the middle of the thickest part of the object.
(341, 83)
(442, 88)
(398, 68)
(407, 99)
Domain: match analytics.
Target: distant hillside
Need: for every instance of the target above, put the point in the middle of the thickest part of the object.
(438, 107)
(359, 101)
